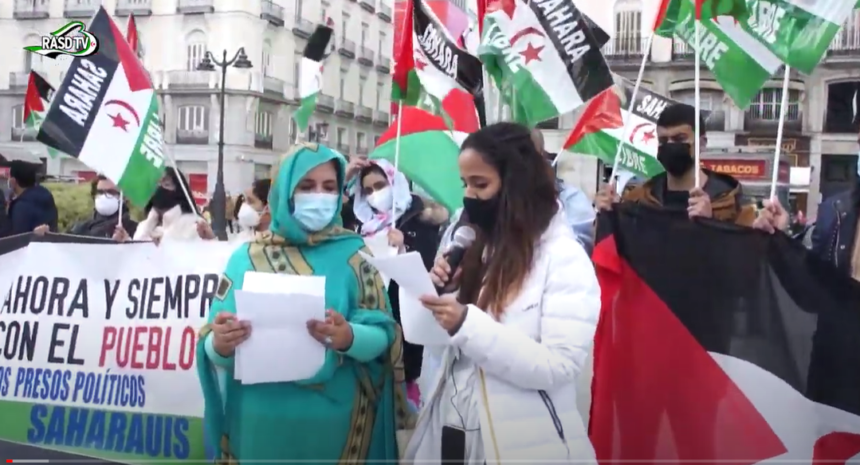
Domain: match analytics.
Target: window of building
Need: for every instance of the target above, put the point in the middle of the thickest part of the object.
(324, 12)
(195, 53)
(342, 83)
(192, 118)
(360, 140)
(344, 21)
(765, 106)
(843, 98)
(263, 124)
(18, 117)
(710, 100)
(297, 68)
(298, 9)
(365, 33)
(341, 136)
(380, 87)
(267, 59)
(376, 140)
(383, 39)
(294, 130)
(361, 86)
(628, 31)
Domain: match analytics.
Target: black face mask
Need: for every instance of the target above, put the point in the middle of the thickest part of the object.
(165, 199)
(675, 158)
(482, 213)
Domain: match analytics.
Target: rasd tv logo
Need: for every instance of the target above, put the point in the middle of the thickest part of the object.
(63, 42)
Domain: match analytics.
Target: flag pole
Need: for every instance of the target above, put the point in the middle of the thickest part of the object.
(779, 132)
(396, 158)
(188, 196)
(119, 211)
(617, 161)
(698, 94)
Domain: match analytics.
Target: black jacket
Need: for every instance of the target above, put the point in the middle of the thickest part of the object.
(103, 226)
(421, 226)
(835, 227)
(34, 207)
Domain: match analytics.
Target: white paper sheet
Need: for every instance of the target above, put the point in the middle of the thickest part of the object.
(378, 245)
(273, 283)
(280, 348)
(407, 270)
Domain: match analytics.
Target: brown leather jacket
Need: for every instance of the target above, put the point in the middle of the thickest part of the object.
(726, 195)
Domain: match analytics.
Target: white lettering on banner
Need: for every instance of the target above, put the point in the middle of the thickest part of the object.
(632, 159)
(437, 49)
(651, 107)
(711, 49)
(83, 91)
(498, 40)
(152, 147)
(569, 32)
(765, 20)
(98, 342)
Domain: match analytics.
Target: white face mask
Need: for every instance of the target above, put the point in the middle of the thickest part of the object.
(381, 200)
(106, 205)
(248, 217)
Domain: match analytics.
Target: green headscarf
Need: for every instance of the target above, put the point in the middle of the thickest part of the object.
(294, 165)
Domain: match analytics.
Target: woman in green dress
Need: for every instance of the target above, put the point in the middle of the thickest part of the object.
(349, 411)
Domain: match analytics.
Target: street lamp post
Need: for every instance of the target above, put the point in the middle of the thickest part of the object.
(218, 205)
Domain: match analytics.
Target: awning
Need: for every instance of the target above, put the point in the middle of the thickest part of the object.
(29, 152)
(800, 179)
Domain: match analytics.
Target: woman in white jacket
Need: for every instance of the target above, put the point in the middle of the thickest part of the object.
(169, 214)
(521, 324)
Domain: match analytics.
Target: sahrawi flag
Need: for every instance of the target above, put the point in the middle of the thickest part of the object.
(429, 148)
(720, 345)
(36, 102)
(310, 74)
(106, 115)
(133, 37)
(543, 56)
(600, 128)
(740, 62)
(440, 65)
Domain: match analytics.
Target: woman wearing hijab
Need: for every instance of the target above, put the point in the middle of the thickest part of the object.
(521, 324)
(381, 191)
(169, 213)
(347, 412)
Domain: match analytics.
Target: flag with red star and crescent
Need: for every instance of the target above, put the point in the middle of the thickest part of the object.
(599, 128)
(544, 56)
(718, 344)
(107, 115)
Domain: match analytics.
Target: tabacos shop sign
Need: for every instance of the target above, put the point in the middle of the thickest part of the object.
(745, 170)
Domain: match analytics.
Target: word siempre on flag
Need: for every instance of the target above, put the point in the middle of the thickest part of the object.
(543, 56)
(720, 344)
(600, 128)
(310, 74)
(106, 115)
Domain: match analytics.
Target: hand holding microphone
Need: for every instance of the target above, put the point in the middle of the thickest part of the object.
(446, 272)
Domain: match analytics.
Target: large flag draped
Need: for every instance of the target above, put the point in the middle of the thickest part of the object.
(310, 74)
(720, 344)
(600, 128)
(106, 115)
(429, 146)
(543, 57)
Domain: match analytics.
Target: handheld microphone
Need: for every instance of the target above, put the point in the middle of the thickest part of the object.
(463, 238)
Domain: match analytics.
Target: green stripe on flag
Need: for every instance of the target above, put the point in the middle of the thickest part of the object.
(143, 173)
(302, 115)
(604, 146)
(412, 94)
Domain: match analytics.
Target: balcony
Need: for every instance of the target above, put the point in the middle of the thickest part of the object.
(384, 12)
(134, 7)
(325, 103)
(24, 134)
(272, 13)
(361, 151)
(762, 116)
(262, 141)
(845, 47)
(191, 7)
(343, 149)
(344, 108)
(190, 80)
(681, 51)
(365, 57)
(381, 118)
(32, 9)
(346, 48)
(273, 85)
(19, 80)
(80, 9)
(630, 47)
(368, 5)
(363, 114)
(303, 28)
(192, 136)
(383, 64)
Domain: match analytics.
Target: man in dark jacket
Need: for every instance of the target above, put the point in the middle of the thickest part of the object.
(32, 205)
(107, 203)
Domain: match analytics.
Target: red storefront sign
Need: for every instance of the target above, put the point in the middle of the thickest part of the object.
(86, 176)
(739, 169)
(199, 184)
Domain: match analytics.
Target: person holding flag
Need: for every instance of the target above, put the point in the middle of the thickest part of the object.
(720, 196)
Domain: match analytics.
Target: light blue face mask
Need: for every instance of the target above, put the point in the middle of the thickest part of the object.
(314, 211)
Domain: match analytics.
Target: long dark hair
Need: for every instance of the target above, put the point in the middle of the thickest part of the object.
(179, 181)
(528, 201)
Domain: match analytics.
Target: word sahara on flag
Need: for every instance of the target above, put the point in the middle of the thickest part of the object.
(106, 115)
(741, 349)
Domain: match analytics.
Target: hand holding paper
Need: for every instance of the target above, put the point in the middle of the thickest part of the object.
(335, 332)
(228, 332)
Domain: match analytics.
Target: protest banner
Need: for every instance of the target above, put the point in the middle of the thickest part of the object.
(97, 347)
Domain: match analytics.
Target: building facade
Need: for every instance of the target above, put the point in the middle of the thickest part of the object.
(352, 110)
